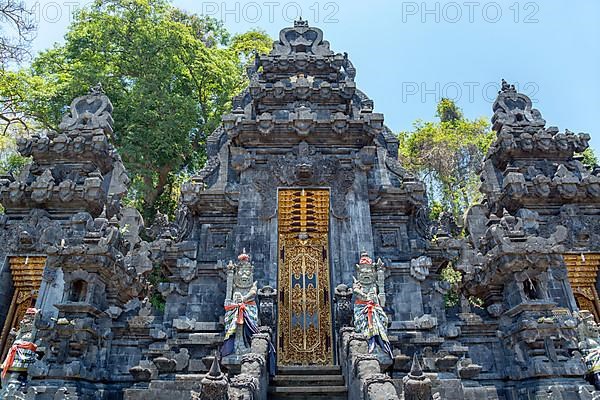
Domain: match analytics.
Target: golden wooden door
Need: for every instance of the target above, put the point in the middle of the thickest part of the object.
(26, 275)
(582, 271)
(304, 312)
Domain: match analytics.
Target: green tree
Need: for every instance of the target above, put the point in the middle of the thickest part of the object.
(447, 156)
(589, 158)
(170, 76)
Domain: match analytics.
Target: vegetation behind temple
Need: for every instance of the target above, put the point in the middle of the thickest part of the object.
(447, 155)
(169, 74)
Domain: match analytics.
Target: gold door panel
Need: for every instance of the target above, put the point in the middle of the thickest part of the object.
(582, 271)
(26, 275)
(304, 317)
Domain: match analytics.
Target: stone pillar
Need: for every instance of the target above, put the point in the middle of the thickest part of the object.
(363, 370)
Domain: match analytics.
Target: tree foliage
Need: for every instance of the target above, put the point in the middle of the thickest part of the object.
(169, 74)
(447, 156)
(589, 158)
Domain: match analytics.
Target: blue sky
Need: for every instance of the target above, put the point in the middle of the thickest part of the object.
(408, 54)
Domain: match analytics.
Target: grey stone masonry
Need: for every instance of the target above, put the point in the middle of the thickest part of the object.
(130, 311)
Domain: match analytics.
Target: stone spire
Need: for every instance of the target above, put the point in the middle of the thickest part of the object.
(417, 386)
(215, 385)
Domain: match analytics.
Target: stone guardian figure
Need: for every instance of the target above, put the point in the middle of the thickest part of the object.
(241, 312)
(369, 299)
(589, 345)
(20, 356)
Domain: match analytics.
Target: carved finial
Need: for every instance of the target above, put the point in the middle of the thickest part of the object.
(97, 89)
(506, 87)
(415, 369)
(215, 384)
(300, 23)
(215, 368)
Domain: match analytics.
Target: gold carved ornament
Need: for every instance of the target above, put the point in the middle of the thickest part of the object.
(26, 273)
(304, 318)
(582, 271)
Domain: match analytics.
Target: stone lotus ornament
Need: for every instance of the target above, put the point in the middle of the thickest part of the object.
(369, 299)
(41, 189)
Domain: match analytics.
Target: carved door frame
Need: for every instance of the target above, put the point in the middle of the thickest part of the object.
(326, 349)
(582, 273)
(26, 273)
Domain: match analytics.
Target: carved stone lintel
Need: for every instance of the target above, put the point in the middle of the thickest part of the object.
(306, 168)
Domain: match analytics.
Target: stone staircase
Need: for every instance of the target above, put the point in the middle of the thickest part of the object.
(308, 383)
(179, 389)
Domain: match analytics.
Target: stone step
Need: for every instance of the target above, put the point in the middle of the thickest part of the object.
(156, 394)
(307, 380)
(308, 392)
(180, 388)
(310, 370)
(185, 385)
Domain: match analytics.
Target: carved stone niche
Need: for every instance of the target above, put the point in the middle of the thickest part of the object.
(218, 239)
(83, 287)
(527, 287)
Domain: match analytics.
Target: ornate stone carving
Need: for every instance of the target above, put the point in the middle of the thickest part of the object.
(301, 39)
(92, 111)
(514, 109)
(369, 291)
(267, 297)
(343, 306)
(307, 168)
(419, 268)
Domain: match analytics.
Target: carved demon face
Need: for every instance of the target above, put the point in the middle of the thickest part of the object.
(366, 275)
(243, 277)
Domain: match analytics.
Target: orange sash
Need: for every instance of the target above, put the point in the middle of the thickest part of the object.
(241, 307)
(370, 306)
(10, 358)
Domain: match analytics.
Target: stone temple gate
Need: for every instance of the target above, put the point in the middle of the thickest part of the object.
(302, 263)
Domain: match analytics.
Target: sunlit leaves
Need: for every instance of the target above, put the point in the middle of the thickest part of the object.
(447, 155)
(169, 75)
